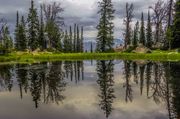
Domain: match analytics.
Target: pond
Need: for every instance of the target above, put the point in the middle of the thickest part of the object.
(113, 89)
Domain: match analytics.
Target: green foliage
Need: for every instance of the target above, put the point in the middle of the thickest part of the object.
(66, 43)
(81, 41)
(78, 40)
(169, 36)
(6, 40)
(70, 39)
(17, 32)
(136, 34)
(91, 47)
(142, 31)
(105, 27)
(149, 33)
(33, 28)
(75, 38)
(42, 42)
(176, 26)
(22, 36)
(55, 35)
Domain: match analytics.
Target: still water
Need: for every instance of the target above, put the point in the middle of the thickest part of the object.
(90, 90)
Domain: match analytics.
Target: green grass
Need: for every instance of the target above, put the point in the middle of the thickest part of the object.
(23, 57)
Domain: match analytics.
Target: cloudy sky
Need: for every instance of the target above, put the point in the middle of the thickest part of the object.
(83, 12)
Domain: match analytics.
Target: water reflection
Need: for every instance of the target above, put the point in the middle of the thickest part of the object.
(162, 83)
(106, 81)
(5, 77)
(47, 82)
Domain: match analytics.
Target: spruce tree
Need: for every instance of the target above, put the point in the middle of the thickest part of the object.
(17, 32)
(176, 26)
(42, 42)
(33, 27)
(66, 42)
(70, 39)
(55, 35)
(74, 40)
(142, 32)
(6, 38)
(169, 37)
(81, 41)
(22, 35)
(136, 34)
(91, 47)
(78, 40)
(149, 32)
(105, 27)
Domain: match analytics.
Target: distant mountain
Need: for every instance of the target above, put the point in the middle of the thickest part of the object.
(118, 42)
(87, 44)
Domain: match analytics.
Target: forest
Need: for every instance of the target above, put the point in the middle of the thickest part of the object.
(43, 31)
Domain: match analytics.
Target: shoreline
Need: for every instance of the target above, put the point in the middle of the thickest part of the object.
(25, 57)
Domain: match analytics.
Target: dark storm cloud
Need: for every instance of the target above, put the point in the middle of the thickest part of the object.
(82, 12)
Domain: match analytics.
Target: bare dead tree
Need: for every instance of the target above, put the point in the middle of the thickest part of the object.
(53, 13)
(127, 22)
(160, 10)
(54, 22)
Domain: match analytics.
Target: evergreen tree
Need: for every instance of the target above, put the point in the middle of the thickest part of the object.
(136, 34)
(22, 35)
(142, 32)
(91, 47)
(149, 32)
(17, 32)
(78, 44)
(169, 36)
(42, 41)
(33, 27)
(176, 26)
(55, 35)
(74, 40)
(66, 42)
(105, 28)
(82, 38)
(127, 22)
(6, 38)
(70, 39)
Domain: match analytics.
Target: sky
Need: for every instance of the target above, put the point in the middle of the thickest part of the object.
(82, 12)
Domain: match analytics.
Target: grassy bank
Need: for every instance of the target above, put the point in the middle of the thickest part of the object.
(46, 56)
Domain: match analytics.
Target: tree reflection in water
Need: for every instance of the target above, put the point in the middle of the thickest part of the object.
(105, 80)
(6, 81)
(46, 82)
(74, 70)
(127, 85)
(162, 83)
